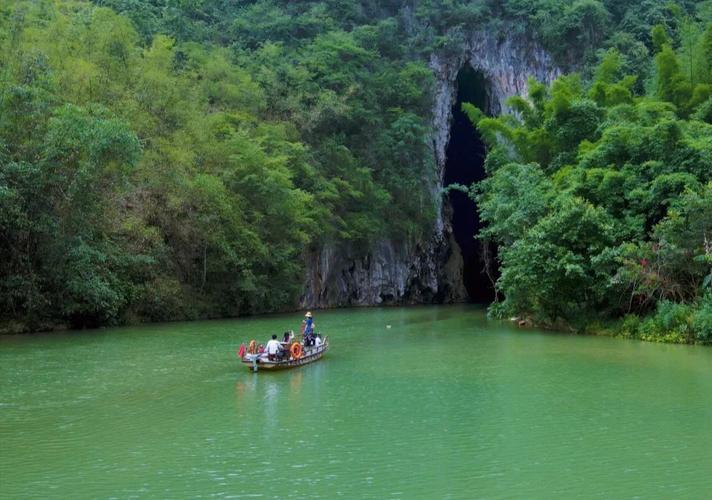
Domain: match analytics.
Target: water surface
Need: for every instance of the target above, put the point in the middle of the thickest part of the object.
(444, 404)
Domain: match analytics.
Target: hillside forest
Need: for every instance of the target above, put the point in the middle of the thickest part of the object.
(165, 159)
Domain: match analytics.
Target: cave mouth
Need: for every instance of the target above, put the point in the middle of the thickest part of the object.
(464, 164)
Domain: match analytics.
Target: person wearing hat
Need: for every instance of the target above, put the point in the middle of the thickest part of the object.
(308, 329)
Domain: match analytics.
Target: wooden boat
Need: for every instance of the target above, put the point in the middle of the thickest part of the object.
(309, 354)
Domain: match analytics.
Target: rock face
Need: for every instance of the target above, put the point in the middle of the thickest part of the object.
(398, 272)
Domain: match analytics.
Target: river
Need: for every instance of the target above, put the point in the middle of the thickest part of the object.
(444, 404)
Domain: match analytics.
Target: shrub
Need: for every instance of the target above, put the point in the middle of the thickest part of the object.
(671, 323)
(630, 327)
(702, 320)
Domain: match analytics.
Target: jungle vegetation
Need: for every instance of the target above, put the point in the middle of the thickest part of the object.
(165, 159)
(600, 197)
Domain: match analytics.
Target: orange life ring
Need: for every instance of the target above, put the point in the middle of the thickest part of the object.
(296, 350)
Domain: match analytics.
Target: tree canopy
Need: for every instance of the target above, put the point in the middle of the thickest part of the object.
(601, 199)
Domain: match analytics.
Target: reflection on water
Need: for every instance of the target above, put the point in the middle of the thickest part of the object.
(295, 381)
(444, 404)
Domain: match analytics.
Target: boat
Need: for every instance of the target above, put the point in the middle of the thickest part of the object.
(295, 354)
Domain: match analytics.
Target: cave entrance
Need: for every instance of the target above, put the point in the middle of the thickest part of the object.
(464, 164)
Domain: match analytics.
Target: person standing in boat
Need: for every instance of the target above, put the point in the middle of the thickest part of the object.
(308, 327)
(273, 348)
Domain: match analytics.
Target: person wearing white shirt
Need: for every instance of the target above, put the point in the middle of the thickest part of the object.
(317, 340)
(273, 348)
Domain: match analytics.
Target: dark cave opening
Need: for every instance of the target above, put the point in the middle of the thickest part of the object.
(465, 156)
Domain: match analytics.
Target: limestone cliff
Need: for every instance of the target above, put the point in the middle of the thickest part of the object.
(400, 272)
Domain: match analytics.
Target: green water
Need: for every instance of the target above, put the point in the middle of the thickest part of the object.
(442, 405)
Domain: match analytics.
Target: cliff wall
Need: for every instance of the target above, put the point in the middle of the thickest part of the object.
(429, 271)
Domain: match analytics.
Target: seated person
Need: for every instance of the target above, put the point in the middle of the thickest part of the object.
(274, 349)
(285, 337)
(317, 340)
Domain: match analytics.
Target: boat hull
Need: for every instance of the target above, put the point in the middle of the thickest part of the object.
(258, 363)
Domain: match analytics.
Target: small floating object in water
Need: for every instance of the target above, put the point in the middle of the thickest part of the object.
(388, 326)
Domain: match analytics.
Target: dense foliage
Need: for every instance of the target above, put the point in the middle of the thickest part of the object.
(144, 178)
(601, 200)
(166, 159)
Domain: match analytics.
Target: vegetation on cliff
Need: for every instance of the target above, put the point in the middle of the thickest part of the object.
(153, 179)
(600, 199)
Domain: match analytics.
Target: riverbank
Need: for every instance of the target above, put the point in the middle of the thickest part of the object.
(674, 328)
(16, 327)
(671, 323)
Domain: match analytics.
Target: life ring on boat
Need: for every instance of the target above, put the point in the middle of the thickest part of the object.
(296, 350)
